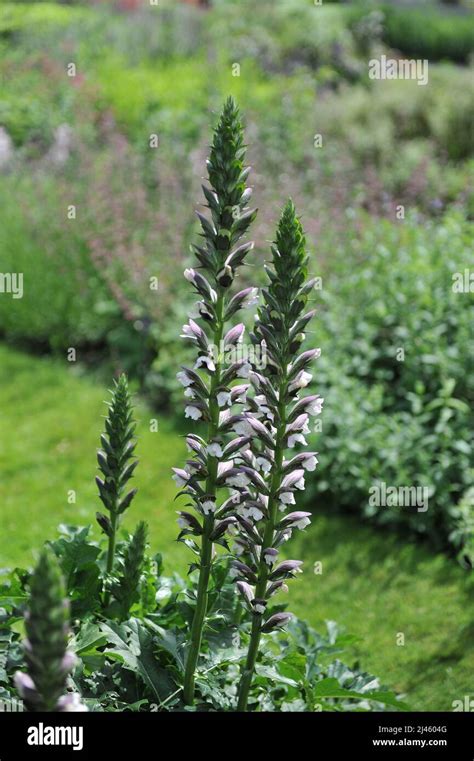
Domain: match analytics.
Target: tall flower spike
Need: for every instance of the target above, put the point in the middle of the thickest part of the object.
(278, 419)
(116, 465)
(209, 385)
(43, 687)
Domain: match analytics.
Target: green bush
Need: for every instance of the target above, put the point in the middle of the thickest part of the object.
(399, 357)
(62, 290)
(429, 33)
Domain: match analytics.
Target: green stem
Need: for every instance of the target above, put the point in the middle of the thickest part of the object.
(111, 553)
(263, 570)
(206, 543)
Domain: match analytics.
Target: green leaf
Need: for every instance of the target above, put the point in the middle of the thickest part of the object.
(133, 646)
(330, 688)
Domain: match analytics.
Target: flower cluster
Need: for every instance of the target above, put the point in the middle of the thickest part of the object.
(116, 464)
(276, 419)
(210, 385)
(43, 686)
(245, 451)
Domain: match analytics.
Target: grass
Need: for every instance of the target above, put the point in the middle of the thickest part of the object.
(376, 584)
(53, 419)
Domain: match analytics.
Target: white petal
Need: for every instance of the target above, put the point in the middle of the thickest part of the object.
(193, 412)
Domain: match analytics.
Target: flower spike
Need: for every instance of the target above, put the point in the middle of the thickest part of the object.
(209, 390)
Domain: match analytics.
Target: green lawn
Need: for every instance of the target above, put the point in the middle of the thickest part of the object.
(376, 584)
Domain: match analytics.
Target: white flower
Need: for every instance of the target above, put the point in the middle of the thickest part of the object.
(301, 381)
(182, 522)
(315, 407)
(287, 498)
(194, 311)
(245, 370)
(253, 512)
(188, 332)
(310, 463)
(205, 360)
(259, 608)
(270, 555)
(300, 483)
(296, 438)
(193, 412)
(184, 378)
(239, 480)
(243, 428)
(189, 393)
(264, 464)
(189, 275)
(302, 523)
(71, 703)
(223, 467)
(251, 299)
(180, 477)
(208, 506)
(214, 449)
(223, 398)
(262, 404)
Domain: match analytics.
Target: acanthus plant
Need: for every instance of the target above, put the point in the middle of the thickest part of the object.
(43, 686)
(209, 390)
(252, 465)
(277, 420)
(117, 465)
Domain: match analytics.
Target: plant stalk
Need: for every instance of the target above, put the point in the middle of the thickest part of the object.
(263, 571)
(206, 542)
(110, 554)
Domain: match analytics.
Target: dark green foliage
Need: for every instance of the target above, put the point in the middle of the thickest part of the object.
(118, 448)
(433, 33)
(77, 555)
(227, 199)
(137, 665)
(117, 466)
(404, 419)
(284, 298)
(127, 589)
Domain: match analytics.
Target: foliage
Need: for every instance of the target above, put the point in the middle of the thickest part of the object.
(433, 33)
(137, 664)
(397, 380)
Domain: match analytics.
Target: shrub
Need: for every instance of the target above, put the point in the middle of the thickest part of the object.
(403, 419)
(432, 33)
